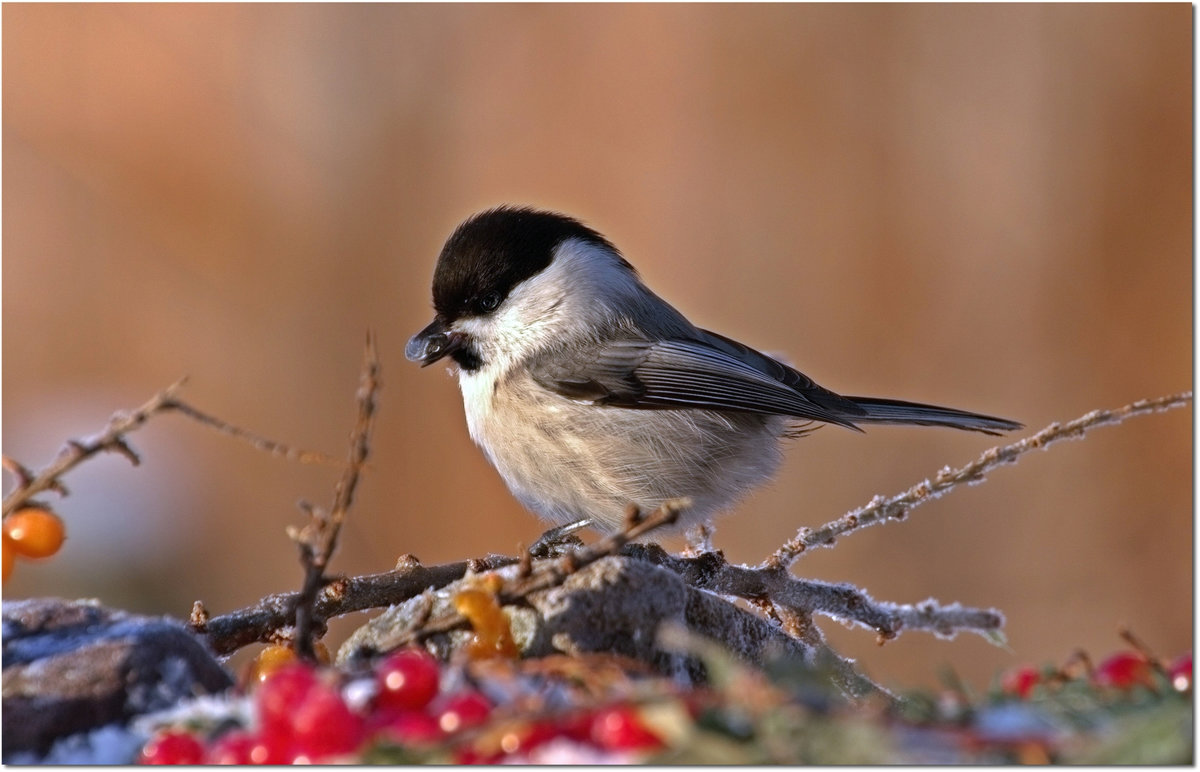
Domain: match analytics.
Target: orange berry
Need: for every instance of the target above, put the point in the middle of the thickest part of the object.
(35, 532)
(10, 556)
(493, 634)
(268, 661)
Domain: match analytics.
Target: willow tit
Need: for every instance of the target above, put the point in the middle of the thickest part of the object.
(588, 392)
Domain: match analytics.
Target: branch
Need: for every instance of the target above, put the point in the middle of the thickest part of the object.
(318, 539)
(76, 452)
(112, 438)
(551, 572)
(881, 509)
(267, 619)
(264, 621)
(788, 595)
(256, 441)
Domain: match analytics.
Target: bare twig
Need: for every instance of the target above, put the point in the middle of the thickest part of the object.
(77, 451)
(113, 439)
(256, 441)
(881, 509)
(264, 620)
(318, 539)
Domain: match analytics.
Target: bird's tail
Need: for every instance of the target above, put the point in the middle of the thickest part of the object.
(894, 411)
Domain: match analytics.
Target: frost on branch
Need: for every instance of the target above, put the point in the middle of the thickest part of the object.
(613, 595)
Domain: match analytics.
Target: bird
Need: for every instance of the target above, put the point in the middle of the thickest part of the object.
(589, 393)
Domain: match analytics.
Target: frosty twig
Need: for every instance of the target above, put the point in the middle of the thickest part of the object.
(881, 508)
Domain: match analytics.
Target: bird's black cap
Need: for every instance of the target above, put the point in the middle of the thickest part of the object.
(493, 251)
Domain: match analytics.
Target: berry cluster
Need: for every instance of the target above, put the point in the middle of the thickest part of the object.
(1121, 671)
(31, 532)
(302, 715)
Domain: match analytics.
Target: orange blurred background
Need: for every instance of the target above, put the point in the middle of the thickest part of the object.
(988, 207)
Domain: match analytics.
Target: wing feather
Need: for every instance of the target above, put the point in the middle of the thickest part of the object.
(709, 372)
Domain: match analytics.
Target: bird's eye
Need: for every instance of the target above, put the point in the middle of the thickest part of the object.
(489, 302)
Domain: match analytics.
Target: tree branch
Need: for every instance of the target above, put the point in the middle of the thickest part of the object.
(790, 595)
(881, 509)
(318, 539)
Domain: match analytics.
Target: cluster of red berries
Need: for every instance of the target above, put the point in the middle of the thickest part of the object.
(31, 532)
(303, 717)
(1122, 671)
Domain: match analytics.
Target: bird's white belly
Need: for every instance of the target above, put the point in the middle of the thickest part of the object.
(566, 460)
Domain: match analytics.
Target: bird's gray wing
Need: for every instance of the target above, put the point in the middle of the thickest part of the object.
(707, 372)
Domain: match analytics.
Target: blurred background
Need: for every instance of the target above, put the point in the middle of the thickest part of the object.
(982, 206)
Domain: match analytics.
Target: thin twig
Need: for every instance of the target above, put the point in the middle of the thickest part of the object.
(881, 509)
(77, 451)
(264, 620)
(318, 540)
(256, 441)
(112, 439)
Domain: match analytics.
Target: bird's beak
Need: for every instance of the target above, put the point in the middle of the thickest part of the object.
(432, 343)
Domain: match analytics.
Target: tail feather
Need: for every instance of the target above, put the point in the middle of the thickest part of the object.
(894, 411)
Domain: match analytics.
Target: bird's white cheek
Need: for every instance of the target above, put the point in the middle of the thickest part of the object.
(477, 390)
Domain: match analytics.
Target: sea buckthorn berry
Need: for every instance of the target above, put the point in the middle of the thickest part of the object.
(172, 747)
(269, 660)
(407, 680)
(35, 532)
(493, 632)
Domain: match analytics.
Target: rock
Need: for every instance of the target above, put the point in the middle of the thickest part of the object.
(616, 604)
(72, 666)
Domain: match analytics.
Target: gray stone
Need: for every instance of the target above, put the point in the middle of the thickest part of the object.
(616, 605)
(72, 666)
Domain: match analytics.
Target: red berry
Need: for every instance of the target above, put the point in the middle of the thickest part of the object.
(303, 718)
(463, 711)
(1124, 670)
(407, 679)
(173, 747)
(523, 739)
(1019, 681)
(408, 727)
(234, 747)
(619, 729)
(1180, 672)
(281, 694)
(324, 726)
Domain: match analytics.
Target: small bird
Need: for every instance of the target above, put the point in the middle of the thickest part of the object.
(588, 392)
